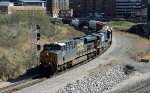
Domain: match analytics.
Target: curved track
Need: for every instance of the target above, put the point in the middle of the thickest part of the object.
(29, 82)
(144, 87)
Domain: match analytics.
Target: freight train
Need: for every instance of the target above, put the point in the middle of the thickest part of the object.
(80, 23)
(57, 57)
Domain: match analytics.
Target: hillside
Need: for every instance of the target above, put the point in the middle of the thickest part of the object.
(17, 40)
(142, 32)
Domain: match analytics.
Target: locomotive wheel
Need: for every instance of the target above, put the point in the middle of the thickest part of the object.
(64, 68)
(69, 65)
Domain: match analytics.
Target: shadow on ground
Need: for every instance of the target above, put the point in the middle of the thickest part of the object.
(31, 73)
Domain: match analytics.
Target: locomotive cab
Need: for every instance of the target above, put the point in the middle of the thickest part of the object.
(49, 57)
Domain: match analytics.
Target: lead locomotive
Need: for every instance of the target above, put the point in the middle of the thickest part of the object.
(59, 56)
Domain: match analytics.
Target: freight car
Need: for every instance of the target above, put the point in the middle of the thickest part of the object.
(59, 56)
(92, 25)
(58, 21)
(95, 25)
(80, 23)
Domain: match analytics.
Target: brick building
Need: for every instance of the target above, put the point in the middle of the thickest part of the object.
(93, 8)
(66, 13)
(56, 7)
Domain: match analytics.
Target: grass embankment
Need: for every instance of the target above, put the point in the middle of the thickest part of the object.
(121, 25)
(17, 40)
(141, 46)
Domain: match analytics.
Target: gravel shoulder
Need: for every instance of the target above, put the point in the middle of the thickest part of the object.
(118, 53)
(130, 83)
(4, 84)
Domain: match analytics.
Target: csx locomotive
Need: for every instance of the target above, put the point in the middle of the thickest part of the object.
(60, 56)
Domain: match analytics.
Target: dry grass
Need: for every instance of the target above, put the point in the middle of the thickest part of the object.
(140, 47)
(17, 44)
(145, 56)
(2, 51)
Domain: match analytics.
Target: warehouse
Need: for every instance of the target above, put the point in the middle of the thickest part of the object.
(9, 8)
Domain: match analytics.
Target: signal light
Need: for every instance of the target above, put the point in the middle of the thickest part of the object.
(38, 27)
(38, 36)
(38, 47)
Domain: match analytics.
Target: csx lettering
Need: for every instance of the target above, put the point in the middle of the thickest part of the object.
(80, 47)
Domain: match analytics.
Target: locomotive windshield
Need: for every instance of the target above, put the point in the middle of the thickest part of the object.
(52, 47)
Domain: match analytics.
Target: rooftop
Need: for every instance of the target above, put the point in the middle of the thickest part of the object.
(6, 4)
(31, 1)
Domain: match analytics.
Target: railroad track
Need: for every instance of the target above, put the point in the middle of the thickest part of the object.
(20, 85)
(143, 87)
(29, 82)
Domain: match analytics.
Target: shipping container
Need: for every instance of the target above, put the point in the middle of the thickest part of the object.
(95, 25)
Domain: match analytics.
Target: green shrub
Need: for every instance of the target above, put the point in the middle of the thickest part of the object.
(5, 20)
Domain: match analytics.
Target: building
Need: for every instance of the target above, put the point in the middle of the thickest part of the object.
(56, 7)
(2, 4)
(66, 13)
(4, 7)
(9, 8)
(125, 7)
(108, 8)
(148, 10)
(139, 14)
(29, 3)
(93, 8)
(144, 4)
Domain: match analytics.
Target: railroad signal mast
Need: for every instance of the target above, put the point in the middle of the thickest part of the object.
(38, 47)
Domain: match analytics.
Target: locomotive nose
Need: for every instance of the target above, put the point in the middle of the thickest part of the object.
(48, 65)
(46, 58)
